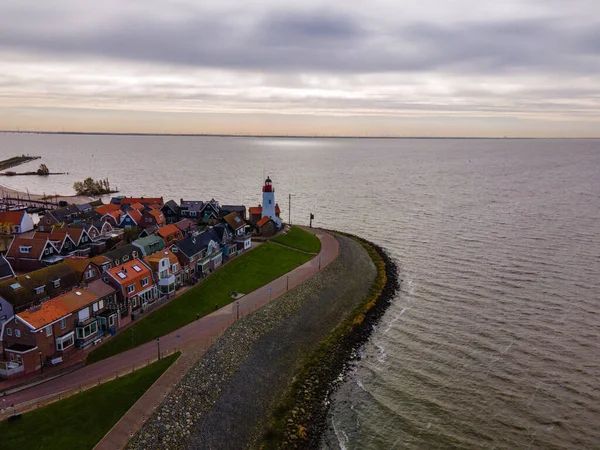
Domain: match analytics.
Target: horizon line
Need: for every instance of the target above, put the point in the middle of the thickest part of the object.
(279, 136)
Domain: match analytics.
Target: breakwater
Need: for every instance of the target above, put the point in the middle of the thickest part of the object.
(226, 400)
(300, 419)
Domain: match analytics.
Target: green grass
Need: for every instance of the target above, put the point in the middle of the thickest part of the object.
(244, 274)
(80, 421)
(300, 239)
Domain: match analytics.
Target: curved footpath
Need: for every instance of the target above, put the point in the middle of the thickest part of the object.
(194, 338)
(225, 400)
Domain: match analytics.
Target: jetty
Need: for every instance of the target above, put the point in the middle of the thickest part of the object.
(17, 161)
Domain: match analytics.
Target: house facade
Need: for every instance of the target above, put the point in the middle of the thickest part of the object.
(15, 222)
(27, 254)
(135, 287)
(167, 271)
(45, 334)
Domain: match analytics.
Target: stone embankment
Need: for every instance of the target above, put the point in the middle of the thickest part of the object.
(225, 401)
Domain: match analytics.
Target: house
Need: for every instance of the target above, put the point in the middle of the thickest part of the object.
(6, 271)
(223, 235)
(112, 217)
(256, 213)
(266, 227)
(228, 209)
(170, 234)
(146, 201)
(171, 211)
(68, 240)
(86, 270)
(15, 222)
(190, 209)
(238, 227)
(150, 244)
(192, 256)
(27, 254)
(167, 271)
(21, 292)
(102, 262)
(209, 211)
(187, 227)
(149, 231)
(131, 218)
(152, 218)
(120, 255)
(98, 232)
(47, 332)
(66, 214)
(135, 287)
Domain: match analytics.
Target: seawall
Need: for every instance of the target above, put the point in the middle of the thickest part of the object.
(225, 400)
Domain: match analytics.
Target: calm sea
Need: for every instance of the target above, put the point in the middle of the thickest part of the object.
(494, 340)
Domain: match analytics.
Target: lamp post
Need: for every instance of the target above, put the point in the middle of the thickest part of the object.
(238, 311)
(158, 345)
(41, 365)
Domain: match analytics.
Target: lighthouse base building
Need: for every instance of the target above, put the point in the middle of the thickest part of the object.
(269, 210)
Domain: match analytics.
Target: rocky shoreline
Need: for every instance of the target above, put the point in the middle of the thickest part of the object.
(301, 419)
(226, 399)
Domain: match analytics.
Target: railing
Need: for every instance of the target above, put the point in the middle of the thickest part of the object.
(8, 368)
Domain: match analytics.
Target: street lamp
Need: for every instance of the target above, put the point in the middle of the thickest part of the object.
(238, 311)
(158, 345)
(41, 365)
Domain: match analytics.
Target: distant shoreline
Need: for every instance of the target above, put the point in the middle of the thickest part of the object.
(285, 136)
(71, 199)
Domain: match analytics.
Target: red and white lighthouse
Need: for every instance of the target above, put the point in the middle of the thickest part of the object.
(268, 205)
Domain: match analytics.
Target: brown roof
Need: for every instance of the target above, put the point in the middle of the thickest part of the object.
(144, 201)
(77, 263)
(263, 221)
(100, 288)
(234, 221)
(255, 210)
(12, 217)
(154, 258)
(137, 206)
(99, 260)
(56, 308)
(37, 248)
(158, 215)
(169, 230)
(185, 224)
(107, 208)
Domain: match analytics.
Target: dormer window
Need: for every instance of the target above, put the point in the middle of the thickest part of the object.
(56, 283)
(24, 248)
(39, 289)
(134, 254)
(125, 258)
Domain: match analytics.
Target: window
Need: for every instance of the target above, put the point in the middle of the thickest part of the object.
(90, 273)
(17, 332)
(16, 321)
(46, 251)
(125, 258)
(0, 306)
(56, 283)
(24, 248)
(145, 282)
(136, 268)
(39, 290)
(3, 318)
(101, 304)
(131, 288)
(111, 321)
(49, 330)
(134, 254)
(175, 267)
(12, 356)
(19, 359)
(66, 341)
(135, 302)
(269, 201)
(88, 330)
(95, 307)
(63, 324)
(9, 331)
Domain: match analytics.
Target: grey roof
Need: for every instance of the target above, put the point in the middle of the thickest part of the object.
(6, 270)
(218, 231)
(66, 213)
(191, 205)
(84, 207)
(227, 209)
(193, 245)
(149, 231)
(118, 253)
(172, 205)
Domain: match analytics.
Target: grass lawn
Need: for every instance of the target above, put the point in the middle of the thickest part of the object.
(244, 274)
(80, 421)
(300, 239)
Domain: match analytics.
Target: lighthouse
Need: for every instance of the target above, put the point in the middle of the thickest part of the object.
(268, 204)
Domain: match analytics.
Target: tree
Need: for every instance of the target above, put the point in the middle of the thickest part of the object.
(43, 170)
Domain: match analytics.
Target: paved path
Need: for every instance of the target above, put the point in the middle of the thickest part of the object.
(194, 336)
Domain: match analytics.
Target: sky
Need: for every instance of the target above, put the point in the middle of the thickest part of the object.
(528, 68)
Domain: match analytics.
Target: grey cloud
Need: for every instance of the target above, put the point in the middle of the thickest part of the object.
(318, 41)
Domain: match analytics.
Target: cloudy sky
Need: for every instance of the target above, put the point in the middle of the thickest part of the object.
(353, 67)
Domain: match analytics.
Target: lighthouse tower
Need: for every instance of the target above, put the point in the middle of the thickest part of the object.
(268, 205)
